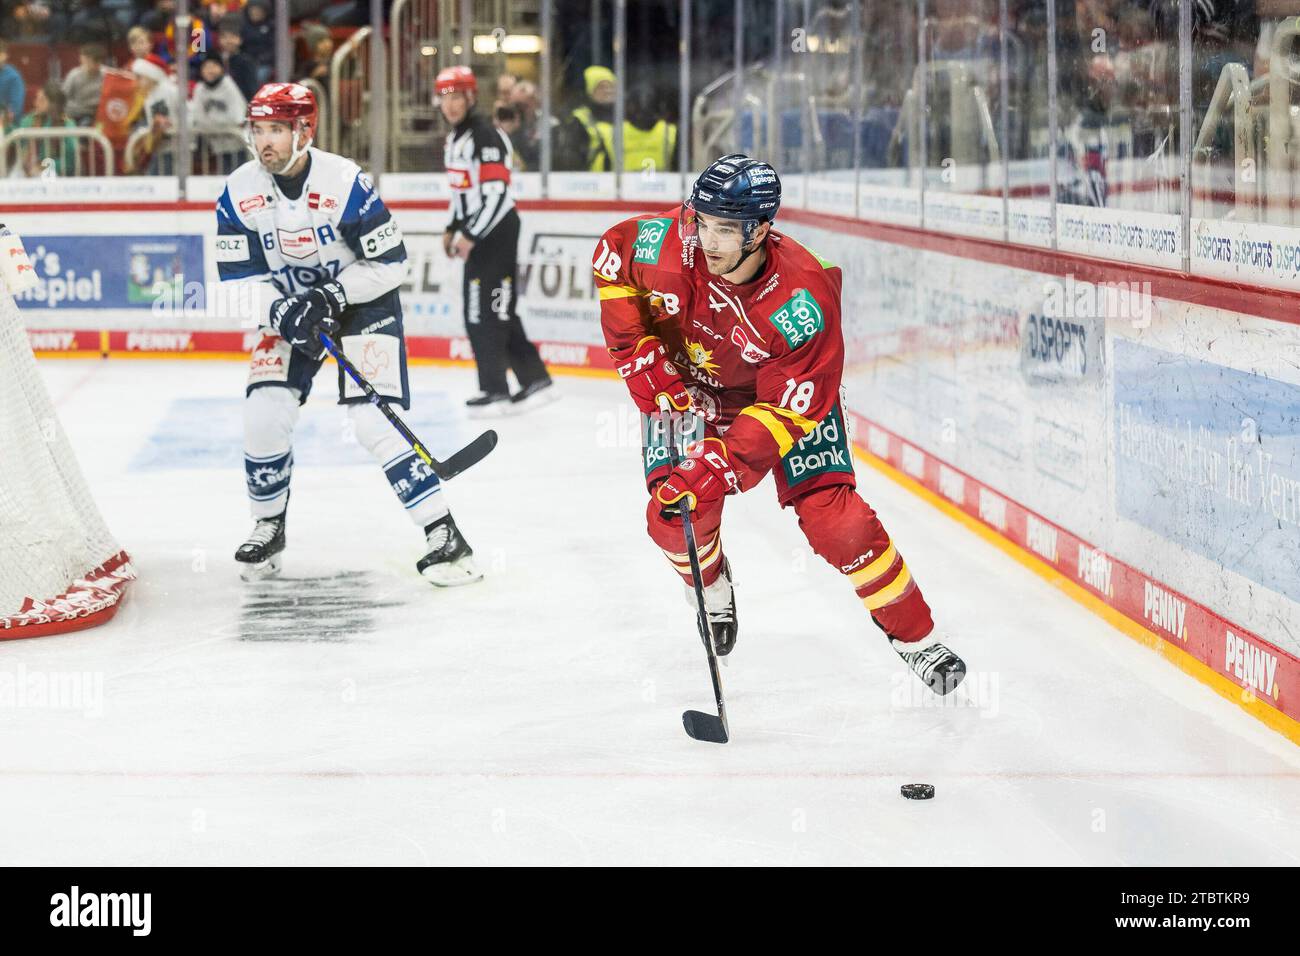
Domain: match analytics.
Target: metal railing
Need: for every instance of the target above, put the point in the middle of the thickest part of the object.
(424, 27)
(323, 111)
(348, 97)
(32, 135)
(1233, 92)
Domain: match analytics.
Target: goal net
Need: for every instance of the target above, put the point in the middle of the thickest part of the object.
(60, 569)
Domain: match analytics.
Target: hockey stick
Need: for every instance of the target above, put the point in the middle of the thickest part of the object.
(699, 725)
(468, 456)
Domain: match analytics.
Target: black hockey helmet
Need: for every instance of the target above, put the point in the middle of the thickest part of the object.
(734, 187)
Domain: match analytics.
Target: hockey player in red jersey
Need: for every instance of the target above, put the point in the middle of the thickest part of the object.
(710, 309)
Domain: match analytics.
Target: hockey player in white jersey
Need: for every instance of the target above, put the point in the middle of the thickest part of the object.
(309, 228)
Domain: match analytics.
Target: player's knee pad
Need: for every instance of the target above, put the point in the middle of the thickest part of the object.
(374, 432)
(270, 414)
(414, 482)
(840, 526)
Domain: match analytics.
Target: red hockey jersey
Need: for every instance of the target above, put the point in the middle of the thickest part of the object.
(762, 361)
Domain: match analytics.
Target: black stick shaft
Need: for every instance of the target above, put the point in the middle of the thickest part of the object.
(697, 577)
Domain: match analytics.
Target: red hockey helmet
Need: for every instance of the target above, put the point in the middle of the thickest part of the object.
(290, 103)
(455, 79)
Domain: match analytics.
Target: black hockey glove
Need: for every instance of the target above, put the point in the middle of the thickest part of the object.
(299, 319)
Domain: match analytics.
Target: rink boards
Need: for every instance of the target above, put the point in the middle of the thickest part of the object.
(1125, 428)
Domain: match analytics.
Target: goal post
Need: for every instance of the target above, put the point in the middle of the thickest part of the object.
(60, 569)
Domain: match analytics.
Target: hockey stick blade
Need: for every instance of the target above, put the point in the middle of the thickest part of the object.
(706, 727)
(467, 457)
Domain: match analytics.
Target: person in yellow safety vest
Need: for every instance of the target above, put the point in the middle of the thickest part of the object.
(591, 129)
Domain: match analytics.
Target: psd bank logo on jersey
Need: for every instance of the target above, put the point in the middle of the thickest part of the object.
(798, 319)
(825, 450)
(650, 235)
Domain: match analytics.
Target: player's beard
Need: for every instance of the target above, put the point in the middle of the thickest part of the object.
(273, 161)
(723, 263)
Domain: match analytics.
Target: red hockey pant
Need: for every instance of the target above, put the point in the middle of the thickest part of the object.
(840, 527)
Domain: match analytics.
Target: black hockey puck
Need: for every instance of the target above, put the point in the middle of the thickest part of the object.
(917, 791)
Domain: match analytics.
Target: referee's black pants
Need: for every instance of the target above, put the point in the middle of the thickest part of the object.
(491, 320)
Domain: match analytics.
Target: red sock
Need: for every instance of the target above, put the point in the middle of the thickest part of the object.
(843, 529)
(667, 533)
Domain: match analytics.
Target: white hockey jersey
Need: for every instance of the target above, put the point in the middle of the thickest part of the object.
(337, 228)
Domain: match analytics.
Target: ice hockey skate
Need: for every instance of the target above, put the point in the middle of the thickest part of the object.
(720, 603)
(259, 557)
(450, 561)
(933, 662)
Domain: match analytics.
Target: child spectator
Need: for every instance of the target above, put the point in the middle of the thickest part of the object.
(140, 40)
(217, 110)
(59, 156)
(160, 96)
(83, 84)
(239, 67)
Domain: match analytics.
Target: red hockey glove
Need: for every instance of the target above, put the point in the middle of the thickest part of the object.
(649, 373)
(703, 478)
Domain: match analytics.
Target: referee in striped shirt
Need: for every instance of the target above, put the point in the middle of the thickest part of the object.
(484, 231)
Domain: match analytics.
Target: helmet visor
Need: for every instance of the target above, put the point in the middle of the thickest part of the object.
(713, 234)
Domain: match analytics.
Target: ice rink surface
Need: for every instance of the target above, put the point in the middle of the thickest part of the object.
(352, 714)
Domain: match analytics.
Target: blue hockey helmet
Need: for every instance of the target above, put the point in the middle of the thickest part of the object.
(734, 187)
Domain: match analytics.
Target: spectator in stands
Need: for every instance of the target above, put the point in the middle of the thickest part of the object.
(217, 110)
(83, 84)
(161, 22)
(160, 96)
(13, 91)
(320, 47)
(590, 126)
(57, 156)
(506, 119)
(25, 21)
(215, 11)
(91, 23)
(159, 14)
(140, 40)
(238, 66)
(649, 140)
(505, 86)
(259, 37)
(528, 139)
